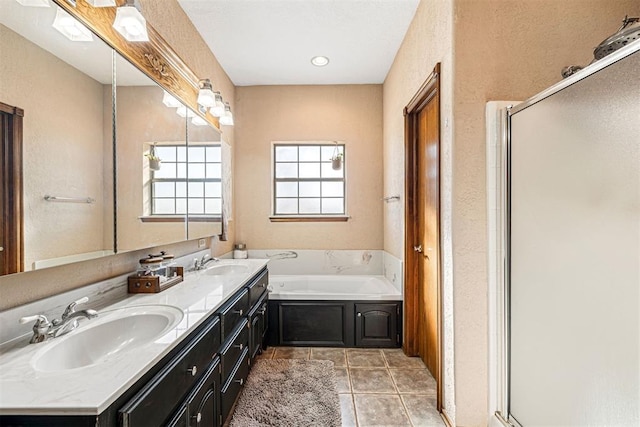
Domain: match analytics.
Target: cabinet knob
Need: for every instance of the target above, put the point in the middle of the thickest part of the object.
(240, 381)
(198, 417)
(359, 314)
(193, 370)
(263, 285)
(240, 312)
(240, 346)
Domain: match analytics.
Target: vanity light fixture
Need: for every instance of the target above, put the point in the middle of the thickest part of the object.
(227, 118)
(199, 121)
(218, 109)
(206, 97)
(183, 111)
(34, 3)
(170, 101)
(70, 27)
(130, 23)
(319, 61)
(102, 3)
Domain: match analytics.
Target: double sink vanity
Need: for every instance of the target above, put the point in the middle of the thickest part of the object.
(178, 358)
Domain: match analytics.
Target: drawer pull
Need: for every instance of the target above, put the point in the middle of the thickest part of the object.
(198, 417)
(193, 371)
(240, 381)
(359, 314)
(240, 312)
(263, 285)
(240, 346)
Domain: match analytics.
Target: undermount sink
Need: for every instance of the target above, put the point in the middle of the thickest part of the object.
(121, 330)
(227, 269)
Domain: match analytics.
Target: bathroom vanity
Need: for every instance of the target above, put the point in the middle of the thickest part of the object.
(182, 358)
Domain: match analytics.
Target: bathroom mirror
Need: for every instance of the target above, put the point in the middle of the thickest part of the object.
(60, 74)
(151, 155)
(206, 164)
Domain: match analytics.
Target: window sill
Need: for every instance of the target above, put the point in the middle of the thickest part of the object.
(311, 218)
(178, 218)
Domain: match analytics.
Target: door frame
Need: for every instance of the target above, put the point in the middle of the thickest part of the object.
(11, 188)
(429, 89)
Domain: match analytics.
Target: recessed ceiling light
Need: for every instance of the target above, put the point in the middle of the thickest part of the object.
(319, 61)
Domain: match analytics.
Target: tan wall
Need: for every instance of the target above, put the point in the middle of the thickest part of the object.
(172, 23)
(503, 50)
(428, 41)
(352, 114)
(62, 152)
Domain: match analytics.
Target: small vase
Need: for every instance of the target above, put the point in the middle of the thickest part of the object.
(336, 164)
(154, 164)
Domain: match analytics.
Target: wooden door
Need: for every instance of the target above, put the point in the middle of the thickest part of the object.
(422, 320)
(11, 251)
(427, 250)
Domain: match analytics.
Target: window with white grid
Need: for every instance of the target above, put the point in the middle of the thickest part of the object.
(304, 181)
(189, 181)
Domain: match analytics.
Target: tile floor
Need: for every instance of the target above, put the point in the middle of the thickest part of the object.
(378, 387)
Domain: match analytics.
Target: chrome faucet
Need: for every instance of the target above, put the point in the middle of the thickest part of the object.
(199, 264)
(43, 329)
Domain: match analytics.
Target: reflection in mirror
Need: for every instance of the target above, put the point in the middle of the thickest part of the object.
(151, 155)
(205, 171)
(61, 77)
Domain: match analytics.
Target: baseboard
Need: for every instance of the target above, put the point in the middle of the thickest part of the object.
(446, 418)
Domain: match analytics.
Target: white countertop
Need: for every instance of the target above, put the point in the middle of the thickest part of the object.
(91, 389)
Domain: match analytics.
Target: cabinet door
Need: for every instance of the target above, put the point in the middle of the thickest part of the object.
(320, 323)
(203, 409)
(377, 325)
(180, 419)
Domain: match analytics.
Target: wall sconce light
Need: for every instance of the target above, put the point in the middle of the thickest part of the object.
(34, 3)
(217, 110)
(227, 118)
(206, 97)
(102, 3)
(183, 111)
(170, 101)
(71, 28)
(130, 23)
(199, 121)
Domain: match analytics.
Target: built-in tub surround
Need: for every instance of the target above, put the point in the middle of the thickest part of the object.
(324, 287)
(89, 390)
(330, 262)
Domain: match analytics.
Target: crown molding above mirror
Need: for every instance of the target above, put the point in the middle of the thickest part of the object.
(155, 57)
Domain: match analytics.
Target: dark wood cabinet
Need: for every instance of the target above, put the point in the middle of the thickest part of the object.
(376, 325)
(335, 323)
(257, 326)
(203, 407)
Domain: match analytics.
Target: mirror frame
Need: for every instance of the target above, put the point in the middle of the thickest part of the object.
(155, 58)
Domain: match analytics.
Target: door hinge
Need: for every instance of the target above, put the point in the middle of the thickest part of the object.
(397, 338)
(397, 310)
(220, 419)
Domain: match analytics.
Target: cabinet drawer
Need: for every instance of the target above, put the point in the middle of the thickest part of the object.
(234, 385)
(258, 287)
(159, 397)
(232, 312)
(232, 352)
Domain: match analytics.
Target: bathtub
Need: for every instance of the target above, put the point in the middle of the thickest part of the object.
(332, 287)
(334, 311)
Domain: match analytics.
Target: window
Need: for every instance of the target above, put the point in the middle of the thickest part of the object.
(189, 181)
(305, 184)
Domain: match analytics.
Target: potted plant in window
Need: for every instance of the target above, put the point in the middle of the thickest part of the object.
(154, 160)
(336, 159)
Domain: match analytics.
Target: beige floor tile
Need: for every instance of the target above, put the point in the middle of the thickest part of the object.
(413, 381)
(371, 358)
(342, 379)
(380, 410)
(336, 355)
(348, 411)
(422, 410)
(291, 353)
(397, 359)
(371, 380)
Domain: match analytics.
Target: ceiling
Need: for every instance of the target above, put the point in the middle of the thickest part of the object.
(271, 42)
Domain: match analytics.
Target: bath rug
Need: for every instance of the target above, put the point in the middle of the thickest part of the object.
(289, 392)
